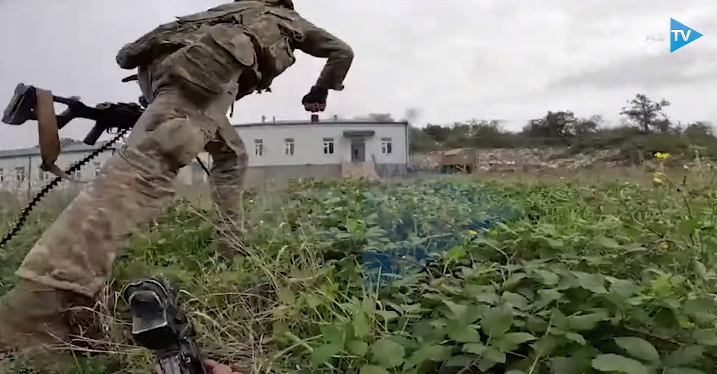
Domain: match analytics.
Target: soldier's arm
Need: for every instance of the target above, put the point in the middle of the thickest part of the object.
(322, 44)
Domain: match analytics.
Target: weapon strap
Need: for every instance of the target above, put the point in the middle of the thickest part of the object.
(48, 133)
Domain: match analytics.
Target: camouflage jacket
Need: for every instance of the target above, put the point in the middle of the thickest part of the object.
(276, 32)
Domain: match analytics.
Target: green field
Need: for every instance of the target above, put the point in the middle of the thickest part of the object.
(614, 277)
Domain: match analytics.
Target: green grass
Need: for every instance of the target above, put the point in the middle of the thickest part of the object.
(608, 277)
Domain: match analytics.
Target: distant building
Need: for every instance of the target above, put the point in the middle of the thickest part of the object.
(278, 150)
(20, 168)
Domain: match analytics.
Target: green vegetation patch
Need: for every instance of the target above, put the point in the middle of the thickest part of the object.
(615, 278)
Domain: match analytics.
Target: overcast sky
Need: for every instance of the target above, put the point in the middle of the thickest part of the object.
(452, 60)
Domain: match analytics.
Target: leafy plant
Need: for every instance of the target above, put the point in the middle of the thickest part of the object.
(494, 278)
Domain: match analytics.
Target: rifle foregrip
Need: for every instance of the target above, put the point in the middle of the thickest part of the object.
(93, 135)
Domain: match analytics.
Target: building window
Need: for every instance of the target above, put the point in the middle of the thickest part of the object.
(289, 146)
(328, 146)
(42, 175)
(20, 173)
(76, 175)
(2, 175)
(98, 168)
(386, 146)
(258, 147)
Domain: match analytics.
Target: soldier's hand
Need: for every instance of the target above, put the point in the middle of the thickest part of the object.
(315, 100)
(212, 366)
(217, 368)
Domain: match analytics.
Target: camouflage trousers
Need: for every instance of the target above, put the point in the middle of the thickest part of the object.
(77, 252)
(189, 92)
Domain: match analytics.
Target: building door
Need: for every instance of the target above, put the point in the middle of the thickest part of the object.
(358, 150)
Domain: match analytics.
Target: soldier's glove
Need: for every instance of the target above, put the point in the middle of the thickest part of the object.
(315, 100)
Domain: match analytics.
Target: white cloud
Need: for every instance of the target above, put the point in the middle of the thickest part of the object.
(451, 59)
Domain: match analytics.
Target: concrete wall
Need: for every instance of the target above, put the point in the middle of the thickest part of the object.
(257, 175)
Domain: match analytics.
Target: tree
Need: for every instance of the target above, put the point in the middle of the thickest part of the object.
(644, 129)
(647, 114)
(437, 132)
(554, 125)
(485, 134)
(587, 126)
(701, 134)
(699, 129)
(420, 140)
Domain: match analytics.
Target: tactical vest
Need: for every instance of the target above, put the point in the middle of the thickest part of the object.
(273, 31)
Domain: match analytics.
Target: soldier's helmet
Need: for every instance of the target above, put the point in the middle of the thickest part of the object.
(281, 3)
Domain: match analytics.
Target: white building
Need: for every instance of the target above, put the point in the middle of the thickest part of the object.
(277, 151)
(20, 168)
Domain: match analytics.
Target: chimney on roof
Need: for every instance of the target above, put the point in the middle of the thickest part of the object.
(336, 118)
(263, 119)
(273, 119)
(314, 118)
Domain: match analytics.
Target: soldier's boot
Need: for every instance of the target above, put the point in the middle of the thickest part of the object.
(33, 316)
(33, 326)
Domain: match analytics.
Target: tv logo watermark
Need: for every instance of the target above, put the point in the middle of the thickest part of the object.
(681, 35)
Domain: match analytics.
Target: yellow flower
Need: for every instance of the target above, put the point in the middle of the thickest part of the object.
(662, 156)
(472, 232)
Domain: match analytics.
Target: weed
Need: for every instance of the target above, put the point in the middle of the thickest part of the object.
(498, 277)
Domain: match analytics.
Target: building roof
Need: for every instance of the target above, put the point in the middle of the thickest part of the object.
(35, 151)
(321, 122)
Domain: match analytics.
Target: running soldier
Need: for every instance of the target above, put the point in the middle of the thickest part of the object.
(190, 72)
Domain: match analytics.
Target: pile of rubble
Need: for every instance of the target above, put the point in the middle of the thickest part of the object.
(516, 159)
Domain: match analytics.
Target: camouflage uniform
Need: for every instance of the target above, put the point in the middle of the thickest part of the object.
(190, 71)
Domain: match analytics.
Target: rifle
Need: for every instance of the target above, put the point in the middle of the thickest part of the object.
(32, 103)
(160, 325)
(107, 116)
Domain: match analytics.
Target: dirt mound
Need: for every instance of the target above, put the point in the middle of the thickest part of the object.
(524, 158)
